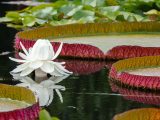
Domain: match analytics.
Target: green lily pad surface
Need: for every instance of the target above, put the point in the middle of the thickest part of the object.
(107, 42)
(7, 104)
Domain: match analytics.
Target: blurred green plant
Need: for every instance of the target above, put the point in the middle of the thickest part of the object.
(81, 11)
(44, 115)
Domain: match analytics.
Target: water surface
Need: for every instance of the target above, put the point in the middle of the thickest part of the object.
(89, 95)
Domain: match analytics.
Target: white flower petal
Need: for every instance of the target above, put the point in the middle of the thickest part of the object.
(20, 68)
(30, 49)
(17, 60)
(26, 72)
(58, 51)
(22, 55)
(47, 83)
(36, 64)
(62, 68)
(43, 95)
(51, 94)
(57, 73)
(16, 76)
(62, 63)
(42, 50)
(60, 87)
(59, 94)
(48, 67)
(24, 49)
(27, 80)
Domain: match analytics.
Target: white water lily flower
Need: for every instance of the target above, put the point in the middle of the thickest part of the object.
(44, 91)
(40, 56)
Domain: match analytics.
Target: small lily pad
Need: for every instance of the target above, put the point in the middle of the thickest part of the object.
(5, 19)
(140, 72)
(13, 15)
(29, 21)
(18, 103)
(142, 113)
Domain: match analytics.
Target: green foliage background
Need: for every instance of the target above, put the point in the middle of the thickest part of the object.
(63, 12)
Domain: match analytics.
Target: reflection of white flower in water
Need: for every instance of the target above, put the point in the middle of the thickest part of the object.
(44, 90)
(41, 56)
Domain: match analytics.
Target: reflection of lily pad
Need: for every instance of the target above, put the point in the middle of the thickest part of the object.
(83, 67)
(124, 71)
(136, 95)
(94, 40)
(19, 103)
(139, 114)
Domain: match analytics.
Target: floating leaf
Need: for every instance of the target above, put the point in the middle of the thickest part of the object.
(41, 21)
(157, 3)
(97, 11)
(152, 12)
(112, 2)
(13, 15)
(83, 14)
(45, 13)
(15, 26)
(119, 72)
(62, 22)
(5, 19)
(74, 10)
(28, 21)
(131, 17)
(111, 12)
(89, 2)
(94, 38)
(88, 29)
(13, 95)
(101, 3)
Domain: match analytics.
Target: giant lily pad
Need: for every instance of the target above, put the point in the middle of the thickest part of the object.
(139, 114)
(17, 103)
(138, 72)
(98, 40)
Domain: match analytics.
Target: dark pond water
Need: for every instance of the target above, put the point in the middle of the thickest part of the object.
(89, 94)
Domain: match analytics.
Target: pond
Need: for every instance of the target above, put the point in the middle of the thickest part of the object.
(89, 94)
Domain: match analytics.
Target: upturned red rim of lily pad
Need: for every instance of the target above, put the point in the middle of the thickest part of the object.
(120, 72)
(139, 114)
(19, 94)
(76, 48)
